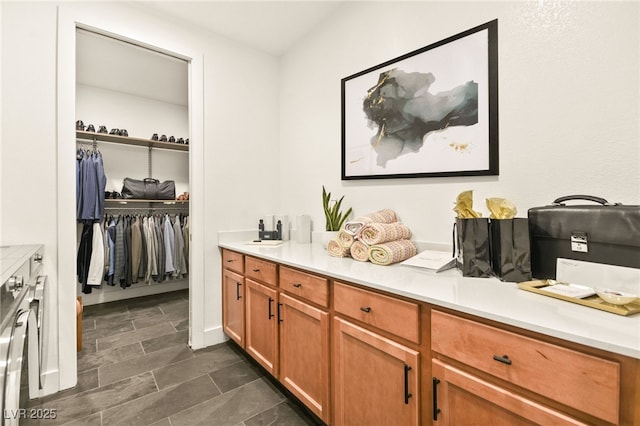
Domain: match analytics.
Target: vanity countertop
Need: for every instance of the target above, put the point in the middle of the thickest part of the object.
(487, 298)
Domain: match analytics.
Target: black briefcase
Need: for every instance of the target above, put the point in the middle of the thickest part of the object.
(600, 233)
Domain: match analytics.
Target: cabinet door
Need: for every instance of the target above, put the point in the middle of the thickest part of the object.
(375, 378)
(262, 325)
(233, 306)
(462, 399)
(304, 354)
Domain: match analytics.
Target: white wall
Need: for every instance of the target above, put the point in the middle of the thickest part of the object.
(240, 133)
(568, 106)
(142, 117)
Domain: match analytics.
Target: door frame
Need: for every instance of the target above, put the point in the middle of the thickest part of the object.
(139, 30)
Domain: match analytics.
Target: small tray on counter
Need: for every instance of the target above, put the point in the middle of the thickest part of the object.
(594, 301)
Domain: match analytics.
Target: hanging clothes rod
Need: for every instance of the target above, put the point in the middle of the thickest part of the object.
(93, 144)
(129, 210)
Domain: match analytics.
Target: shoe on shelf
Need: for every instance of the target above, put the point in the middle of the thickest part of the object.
(154, 137)
(163, 138)
(90, 128)
(172, 139)
(123, 132)
(114, 132)
(79, 125)
(186, 141)
(103, 129)
(180, 140)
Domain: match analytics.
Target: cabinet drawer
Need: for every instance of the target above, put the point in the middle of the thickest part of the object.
(587, 383)
(386, 313)
(261, 270)
(306, 286)
(233, 261)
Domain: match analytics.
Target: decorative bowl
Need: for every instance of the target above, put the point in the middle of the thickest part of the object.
(615, 297)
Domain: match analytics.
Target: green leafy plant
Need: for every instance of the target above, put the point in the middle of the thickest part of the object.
(334, 217)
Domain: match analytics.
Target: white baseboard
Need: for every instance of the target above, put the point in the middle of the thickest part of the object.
(111, 294)
(213, 336)
(50, 385)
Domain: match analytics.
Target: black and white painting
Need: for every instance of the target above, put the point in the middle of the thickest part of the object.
(431, 112)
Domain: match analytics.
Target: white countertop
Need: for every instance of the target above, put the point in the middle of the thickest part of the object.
(484, 297)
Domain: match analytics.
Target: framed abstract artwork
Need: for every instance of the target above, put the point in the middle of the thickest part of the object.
(432, 112)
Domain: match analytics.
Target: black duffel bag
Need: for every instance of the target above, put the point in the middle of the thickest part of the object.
(148, 189)
(602, 233)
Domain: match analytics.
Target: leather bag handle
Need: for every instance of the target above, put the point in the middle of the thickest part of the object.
(598, 200)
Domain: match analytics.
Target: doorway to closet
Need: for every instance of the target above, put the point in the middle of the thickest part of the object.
(132, 122)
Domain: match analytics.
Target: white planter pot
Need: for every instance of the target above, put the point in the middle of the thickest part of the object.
(328, 236)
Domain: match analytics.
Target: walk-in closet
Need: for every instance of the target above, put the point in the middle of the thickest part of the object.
(132, 122)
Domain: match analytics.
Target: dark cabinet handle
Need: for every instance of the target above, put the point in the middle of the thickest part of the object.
(503, 359)
(436, 410)
(238, 296)
(256, 270)
(367, 309)
(279, 316)
(297, 285)
(407, 395)
(229, 260)
(270, 313)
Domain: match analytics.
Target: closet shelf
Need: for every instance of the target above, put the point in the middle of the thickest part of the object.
(126, 140)
(115, 202)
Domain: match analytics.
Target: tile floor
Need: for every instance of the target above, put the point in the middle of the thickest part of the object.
(137, 369)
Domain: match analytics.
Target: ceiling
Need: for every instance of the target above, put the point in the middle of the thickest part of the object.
(114, 65)
(269, 26)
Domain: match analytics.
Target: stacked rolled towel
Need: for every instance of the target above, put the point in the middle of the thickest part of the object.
(334, 248)
(345, 239)
(377, 237)
(392, 252)
(376, 233)
(359, 251)
(353, 227)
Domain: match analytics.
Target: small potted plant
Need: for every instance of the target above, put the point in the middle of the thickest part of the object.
(334, 217)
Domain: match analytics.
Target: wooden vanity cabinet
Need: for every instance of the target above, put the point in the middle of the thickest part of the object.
(262, 313)
(304, 339)
(286, 318)
(356, 356)
(496, 374)
(376, 376)
(462, 399)
(233, 296)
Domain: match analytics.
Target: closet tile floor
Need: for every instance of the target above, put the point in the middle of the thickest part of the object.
(137, 369)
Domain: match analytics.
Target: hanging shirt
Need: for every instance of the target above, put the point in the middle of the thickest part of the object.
(96, 265)
(126, 280)
(179, 264)
(101, 183)
(161, 252)
(119, 264)
(142, 269)
(169, 242)
(152, 250)
(136, 238)
(83, 259)
(111, 232)
(186, 235)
